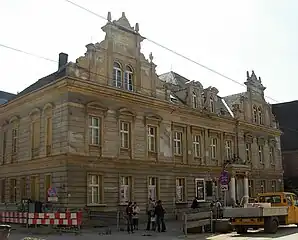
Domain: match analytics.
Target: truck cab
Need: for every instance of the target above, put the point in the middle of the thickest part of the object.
(269, 211)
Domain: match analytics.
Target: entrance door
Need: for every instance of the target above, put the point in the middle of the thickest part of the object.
(292, 209)
(239, 188)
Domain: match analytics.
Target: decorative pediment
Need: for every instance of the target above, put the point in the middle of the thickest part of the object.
(248, 138)
(261, 141)
(126, 112)
(48, 107)
(35, 112)
(96, 105)
(152, 117)
(14, 119)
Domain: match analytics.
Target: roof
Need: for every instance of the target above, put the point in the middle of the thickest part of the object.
(287, 114)
(5, 97)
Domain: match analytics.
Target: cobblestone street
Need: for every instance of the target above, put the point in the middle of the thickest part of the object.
(289, 233)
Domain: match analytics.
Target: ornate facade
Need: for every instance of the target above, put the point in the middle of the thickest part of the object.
(107, 129)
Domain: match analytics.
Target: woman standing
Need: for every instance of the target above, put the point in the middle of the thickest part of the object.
(135, 217)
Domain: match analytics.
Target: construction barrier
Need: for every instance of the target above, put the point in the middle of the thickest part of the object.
(66, 219)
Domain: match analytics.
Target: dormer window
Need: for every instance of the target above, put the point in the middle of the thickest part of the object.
(212, 107)
(255, 114)
(117, 75)
(128, 78)
(194, 100)
(260, 116)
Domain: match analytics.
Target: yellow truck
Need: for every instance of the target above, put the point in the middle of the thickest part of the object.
(269, 212)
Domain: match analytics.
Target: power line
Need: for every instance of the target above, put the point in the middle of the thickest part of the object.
(168, 49)
(103, 76)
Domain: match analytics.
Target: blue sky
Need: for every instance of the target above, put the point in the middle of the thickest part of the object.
(229, 36)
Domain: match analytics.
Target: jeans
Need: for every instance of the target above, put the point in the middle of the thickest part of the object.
(135, 222)
(160, 220)
(149, 215)
(129, 224)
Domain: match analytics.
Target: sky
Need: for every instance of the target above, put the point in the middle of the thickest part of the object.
(230, 37)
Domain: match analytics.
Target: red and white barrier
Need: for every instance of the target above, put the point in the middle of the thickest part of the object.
(68, 218)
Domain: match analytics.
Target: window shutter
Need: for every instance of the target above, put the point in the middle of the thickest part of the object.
(152, 192)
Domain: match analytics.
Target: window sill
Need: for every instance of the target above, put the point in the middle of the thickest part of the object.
(96, 205)
(181, 203)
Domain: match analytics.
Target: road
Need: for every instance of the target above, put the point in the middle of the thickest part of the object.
(289, 233)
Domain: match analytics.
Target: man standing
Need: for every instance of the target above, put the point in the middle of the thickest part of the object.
(129, 213)
(160, 213)
(150, 214)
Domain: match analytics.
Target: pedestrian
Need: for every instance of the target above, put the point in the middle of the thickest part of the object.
(150, 214)
(135, 217)
(160, 213)
(195, 203)
(129, 213)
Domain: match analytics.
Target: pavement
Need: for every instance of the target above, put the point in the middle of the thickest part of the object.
(284, 233)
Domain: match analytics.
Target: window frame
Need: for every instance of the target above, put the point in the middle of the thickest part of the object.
(194, 100)
(128, 186)
(151, 138)
(212, 105)
(213, 146)
(260, 115)
(204, 189)
(248, 152)
(228, 149)
(90, 186)
(255, 114)
(272, 155)
(261, 153)
(117, 71)
(179, 181)
(178, 143)
(128, 78)
(91, 129)
(197, 146)
(124, 132)
(154, 186)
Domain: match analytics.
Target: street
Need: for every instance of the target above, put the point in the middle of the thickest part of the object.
(284, 233)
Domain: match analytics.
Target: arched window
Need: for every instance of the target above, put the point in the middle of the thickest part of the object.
(212, 107)
(260, 116)
(255, 114)
(194, 100)
(117, 75)
(128, 79)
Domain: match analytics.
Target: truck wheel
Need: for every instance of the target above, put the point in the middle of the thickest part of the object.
(271, 225)
(241, 229)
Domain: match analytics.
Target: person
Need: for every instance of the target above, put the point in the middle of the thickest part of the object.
(218, 208)
(160, 213)
(195, 203)
(135, 217)
(129, 213)
(150, 214)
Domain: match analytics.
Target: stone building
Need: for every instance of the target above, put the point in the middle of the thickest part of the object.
(285, 114)
(107, 129)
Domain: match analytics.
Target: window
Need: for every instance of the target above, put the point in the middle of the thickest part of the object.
(260, 116)
(47, 184)
(251, 188)
(194, 100)
(94, 195)
(212, 107)
(125, 189)
(13, 190)
(35, 136)
(213, 148)
(3, 189)
(209, 188)
(128, 79)
(94, 130)
(263, 186)
(228, 147)
(34, 187)
(177, 143)
(273, 186)
(197, 146)
(23, 188)
(200, 189)
(14, 140)
(49, 127)
(180, 190)
(117, 75)
(153, 188)
(271, 155)
(248, 152)
(261, 153)
(4, 145)
(151, 139)
(255, 114)
(125, 134)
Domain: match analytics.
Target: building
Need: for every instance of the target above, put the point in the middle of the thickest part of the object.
(285, 115)
(107, 129)
(5, 97)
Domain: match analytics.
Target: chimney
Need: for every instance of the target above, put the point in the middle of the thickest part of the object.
(63, 58)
